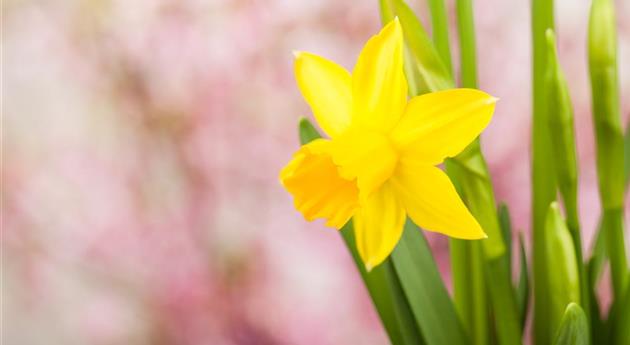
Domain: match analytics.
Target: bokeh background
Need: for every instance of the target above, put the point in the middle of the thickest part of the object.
(141, 146)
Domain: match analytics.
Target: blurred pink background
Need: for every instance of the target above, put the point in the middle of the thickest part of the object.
(142, 142)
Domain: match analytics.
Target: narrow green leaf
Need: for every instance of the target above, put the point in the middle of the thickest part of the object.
(386, 292)
(627, 155)
(423, 60)
(506, 230)
(415, 82)
(599, 331)
(478, 195)
(612, 228)
(621, 320)
(474, 178)
(508, 323)
(574, 327)
(599, 256)
(382, 282)
(429, 300)
(562, 271)
(594, 269)
(469, 288)
(522, 289)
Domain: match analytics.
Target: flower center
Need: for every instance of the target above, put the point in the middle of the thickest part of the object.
(368, 156)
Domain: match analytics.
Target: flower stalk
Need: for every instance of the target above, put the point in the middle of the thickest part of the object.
(602, 57)
(564, 155)
(543, 176)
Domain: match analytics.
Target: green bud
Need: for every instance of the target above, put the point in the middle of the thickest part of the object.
(574, 327)
(602, 54)
(562, 271)
(562, 128)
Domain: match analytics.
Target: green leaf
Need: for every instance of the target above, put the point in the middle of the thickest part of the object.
(429, 300)
(594, 270)
(599, 257)
(307, 131)
(469, 288)
(574, 327)
(506, 231)
(522, 289)
(627, 155)
(382, 282)
(384, 287)
(424, 69)
(622, 320)
(504, 307)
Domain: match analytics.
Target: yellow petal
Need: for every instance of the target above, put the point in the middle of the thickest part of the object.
(327, 88)
(441, 124)
(378, 225)
(379, 88)
(431, 201)
(317, 188)
(364, 155)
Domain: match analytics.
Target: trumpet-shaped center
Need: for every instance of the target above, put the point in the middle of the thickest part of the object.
(365, 155)
(318, 189)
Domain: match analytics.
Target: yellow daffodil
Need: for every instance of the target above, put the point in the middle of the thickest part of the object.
(379, 164)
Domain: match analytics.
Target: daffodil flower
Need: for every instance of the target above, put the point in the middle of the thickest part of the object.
(379, 164)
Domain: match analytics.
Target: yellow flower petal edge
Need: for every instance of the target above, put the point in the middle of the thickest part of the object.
(378, 225)
(379, 87)
(380, 164)
(327, 88)
(441, 124)
(432, 201)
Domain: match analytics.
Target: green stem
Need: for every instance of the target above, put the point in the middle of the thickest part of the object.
(466, 30)
(469, 288)
(543, 182)
(602, 56)
(471, 173)
(479, 196)
(439, 26)
(612, 225)
(467, 257)
(561, 124)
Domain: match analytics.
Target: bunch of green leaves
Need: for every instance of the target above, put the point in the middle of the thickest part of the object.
(487, 307)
